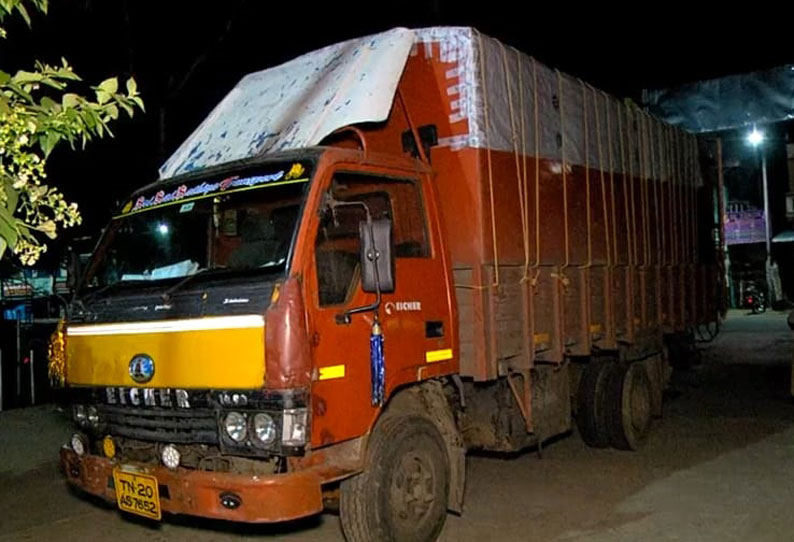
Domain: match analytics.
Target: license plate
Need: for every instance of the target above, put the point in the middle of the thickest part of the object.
(137, 493)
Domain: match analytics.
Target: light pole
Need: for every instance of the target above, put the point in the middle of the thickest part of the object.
(756, 139)
(766, 209)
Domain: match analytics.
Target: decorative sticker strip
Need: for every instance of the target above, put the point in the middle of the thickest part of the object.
(184, 193)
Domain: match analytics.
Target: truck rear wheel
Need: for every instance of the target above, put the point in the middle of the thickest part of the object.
(590, 399)
(402, 493)
(628, 405)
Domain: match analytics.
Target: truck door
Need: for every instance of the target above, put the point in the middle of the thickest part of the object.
(415, 318)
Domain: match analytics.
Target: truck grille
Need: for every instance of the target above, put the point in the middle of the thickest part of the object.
(196, 426)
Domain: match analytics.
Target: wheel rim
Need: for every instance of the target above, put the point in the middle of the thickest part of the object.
(640, 404)
(413, 489)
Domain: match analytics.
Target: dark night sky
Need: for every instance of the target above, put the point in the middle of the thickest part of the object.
(621, 52)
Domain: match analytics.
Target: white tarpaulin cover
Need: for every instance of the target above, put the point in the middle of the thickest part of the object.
(500, 99)
(297, 104)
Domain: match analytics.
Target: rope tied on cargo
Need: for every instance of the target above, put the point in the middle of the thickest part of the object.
(562, 278)
(656, 182)
(624, 171)
(663, 177)
(647, 173)
(612, 182)
(561, 274)
(632, 223)
(525, 192)
(536, 265)
(603, 177)
(487, 121)
(520, 174)
(588, 218)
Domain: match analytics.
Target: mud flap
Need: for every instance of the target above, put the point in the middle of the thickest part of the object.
(457, 478)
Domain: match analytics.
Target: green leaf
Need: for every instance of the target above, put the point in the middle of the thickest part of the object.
(22, 77)
(24, 231)
(66, 73)
(48, 142)
(8, 230)
(19, 91)
(126, 107)
(102, 97)
(52, 83)
(3, 246)
(50, 105)
(4, 77)
(48, 228)
(24, 13)
(70, 100)
(111, 86)
(139, 102)
(132, 87)
(89, 119)
(112, 111)
(12, 196)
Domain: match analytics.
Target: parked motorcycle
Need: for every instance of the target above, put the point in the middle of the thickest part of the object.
(754, 298)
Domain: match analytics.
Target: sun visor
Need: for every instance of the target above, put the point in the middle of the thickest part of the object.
(298, 103)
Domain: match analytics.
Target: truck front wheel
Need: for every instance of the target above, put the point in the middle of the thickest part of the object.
(402, 493)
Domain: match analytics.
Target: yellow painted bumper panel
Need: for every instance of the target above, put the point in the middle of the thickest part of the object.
(212, 352)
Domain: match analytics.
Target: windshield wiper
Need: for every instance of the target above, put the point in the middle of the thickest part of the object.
(166, 296)
(94, 294)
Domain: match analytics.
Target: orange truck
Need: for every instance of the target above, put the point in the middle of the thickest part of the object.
(370, 260)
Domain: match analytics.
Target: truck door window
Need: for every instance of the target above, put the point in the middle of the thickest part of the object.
(337, 246)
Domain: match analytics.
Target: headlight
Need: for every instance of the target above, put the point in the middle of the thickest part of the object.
(92, 416)
(79, 444)
(78, 411)
(293, 432)
(170, 456)
(234, 423)
(264, 428)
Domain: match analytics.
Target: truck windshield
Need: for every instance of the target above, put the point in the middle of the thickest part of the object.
(234, 223)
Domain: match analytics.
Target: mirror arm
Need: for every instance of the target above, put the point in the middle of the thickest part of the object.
(344, 317)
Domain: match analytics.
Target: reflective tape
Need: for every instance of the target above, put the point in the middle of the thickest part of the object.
(433, 356)
(169, 326)
(331, 372)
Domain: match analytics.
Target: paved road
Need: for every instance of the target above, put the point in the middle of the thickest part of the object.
(717, 468)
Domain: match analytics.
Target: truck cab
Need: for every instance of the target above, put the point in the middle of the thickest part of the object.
(217, 329)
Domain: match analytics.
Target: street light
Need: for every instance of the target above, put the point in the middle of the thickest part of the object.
(756, 138)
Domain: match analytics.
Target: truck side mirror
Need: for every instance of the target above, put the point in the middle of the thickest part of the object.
(376, 255)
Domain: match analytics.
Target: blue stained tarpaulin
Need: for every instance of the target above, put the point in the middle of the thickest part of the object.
(727, 103)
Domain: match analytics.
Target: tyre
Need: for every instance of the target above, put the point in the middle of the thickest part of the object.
(402, 493)
(628, 405)
(590, 400)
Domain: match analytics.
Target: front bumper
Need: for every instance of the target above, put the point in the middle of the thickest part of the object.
(264, 499)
